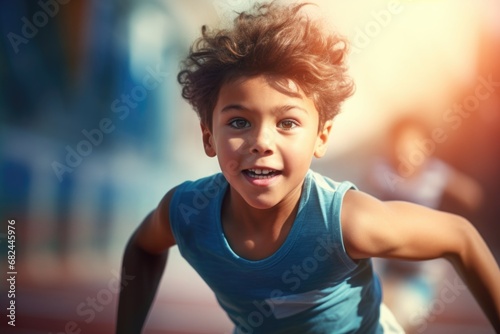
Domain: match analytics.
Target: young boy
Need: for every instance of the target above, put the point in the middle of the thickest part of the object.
(285, 249)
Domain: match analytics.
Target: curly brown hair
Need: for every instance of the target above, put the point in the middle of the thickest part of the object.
(273, 39)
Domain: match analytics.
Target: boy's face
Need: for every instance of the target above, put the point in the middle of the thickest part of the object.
(264, 139)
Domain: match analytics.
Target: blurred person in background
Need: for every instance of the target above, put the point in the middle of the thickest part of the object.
(410, 171)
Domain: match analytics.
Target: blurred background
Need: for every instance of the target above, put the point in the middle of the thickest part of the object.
(93, 132)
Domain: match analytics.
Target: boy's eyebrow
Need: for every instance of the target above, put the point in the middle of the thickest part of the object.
(276, 110)
(234, 106)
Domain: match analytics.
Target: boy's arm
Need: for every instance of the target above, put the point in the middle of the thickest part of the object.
(400, 230)
(144, 261)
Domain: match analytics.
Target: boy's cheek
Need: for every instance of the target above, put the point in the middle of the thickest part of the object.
(237, 145)
(231, 168)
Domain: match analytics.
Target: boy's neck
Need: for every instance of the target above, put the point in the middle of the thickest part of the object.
(257, 233)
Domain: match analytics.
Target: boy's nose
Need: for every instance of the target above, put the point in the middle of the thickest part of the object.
(262, 142)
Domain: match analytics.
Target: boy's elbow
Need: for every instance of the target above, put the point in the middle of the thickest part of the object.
(465, 241)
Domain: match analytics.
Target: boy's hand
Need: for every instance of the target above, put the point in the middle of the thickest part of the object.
(400, 230)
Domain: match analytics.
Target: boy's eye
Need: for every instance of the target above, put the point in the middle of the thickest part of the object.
(239, 123)
(287, 124)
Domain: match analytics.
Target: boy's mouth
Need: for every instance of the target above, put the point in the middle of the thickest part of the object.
(261, 173)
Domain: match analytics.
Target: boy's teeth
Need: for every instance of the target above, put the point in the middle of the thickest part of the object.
(261, 173)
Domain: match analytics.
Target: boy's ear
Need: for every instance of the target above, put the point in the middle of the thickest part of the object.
(208, 144)
(322, 140)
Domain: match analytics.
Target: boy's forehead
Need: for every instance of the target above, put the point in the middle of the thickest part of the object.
(245, 93)
(282, 84)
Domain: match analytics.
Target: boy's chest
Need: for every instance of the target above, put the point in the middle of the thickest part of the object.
(258, 245)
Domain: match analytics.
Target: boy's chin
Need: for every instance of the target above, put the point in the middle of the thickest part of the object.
(262, 204)
(263, 201)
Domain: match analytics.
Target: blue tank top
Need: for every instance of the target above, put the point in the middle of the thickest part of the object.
(309, 285)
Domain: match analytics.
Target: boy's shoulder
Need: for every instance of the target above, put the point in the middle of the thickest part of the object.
(194, 196)
(328, 184)
(210, 185)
